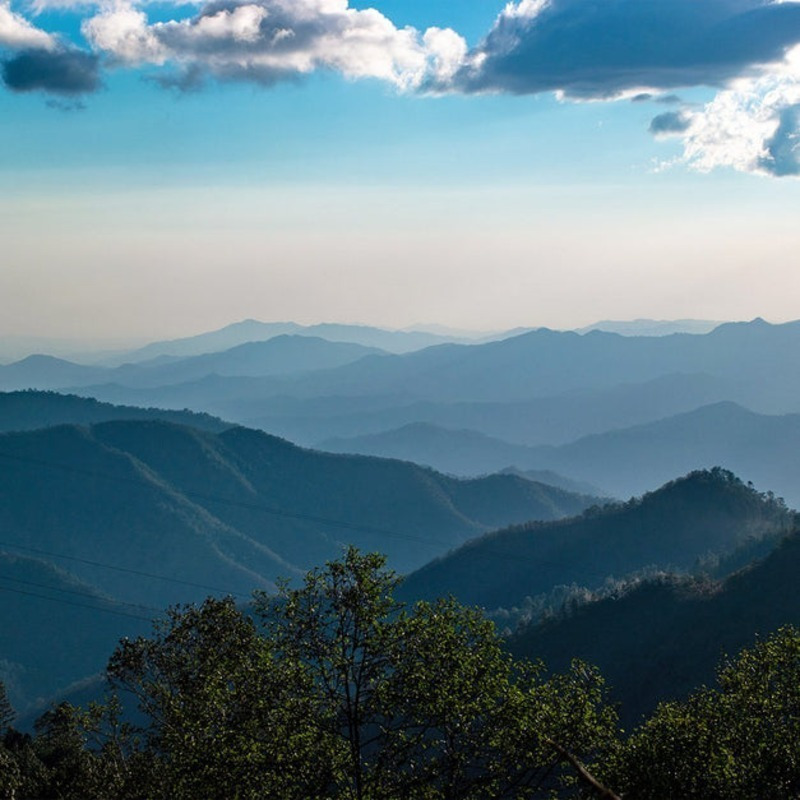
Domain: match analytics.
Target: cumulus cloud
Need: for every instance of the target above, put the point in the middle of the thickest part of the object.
(273, 40)
(40, 61)
(754, 126)
(16, 33)
(60, 71)
(613, 48)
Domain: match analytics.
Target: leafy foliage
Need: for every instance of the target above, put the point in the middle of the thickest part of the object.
(345, 694)
(425, 702)
(736, 742)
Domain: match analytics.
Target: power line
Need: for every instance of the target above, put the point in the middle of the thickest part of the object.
(91, 595)
(140, 573)
(61, 601)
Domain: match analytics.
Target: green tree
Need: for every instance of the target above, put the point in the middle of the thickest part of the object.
(226, 719)
(736, 742)
(342, 693)
(424, 703)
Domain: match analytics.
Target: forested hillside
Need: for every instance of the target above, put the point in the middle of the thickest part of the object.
(671, 528)
(661, 639)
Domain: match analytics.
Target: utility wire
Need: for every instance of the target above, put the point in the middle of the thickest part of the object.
(62, 601)
(140, 573)
(91, 595)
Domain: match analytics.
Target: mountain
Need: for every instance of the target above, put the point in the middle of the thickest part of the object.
(750, 363)
(234, 510)
(457, 452)
(554, 479)
(652, 327)
(281, 355)
(84, 351)
(65, 491)
(251, 330)
(664, 638)
(31, 409)
(45, 372)
(762, 448)
(547, 363)
(685, 520)
(554, 419)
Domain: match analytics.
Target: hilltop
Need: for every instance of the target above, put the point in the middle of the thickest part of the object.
(671, 528)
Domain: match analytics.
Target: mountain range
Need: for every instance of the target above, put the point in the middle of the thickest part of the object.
(279, 356)
(116, 351)
(251, 330)
(238, 508)
(537, 388)
(109, 513)
(762, 448)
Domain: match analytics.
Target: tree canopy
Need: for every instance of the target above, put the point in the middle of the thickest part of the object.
(737, 741)
(334, 690)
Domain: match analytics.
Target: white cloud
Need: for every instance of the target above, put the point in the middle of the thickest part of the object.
(272, 40)
(16, 33)
(447, 52)
(125, 34)
(753, 126)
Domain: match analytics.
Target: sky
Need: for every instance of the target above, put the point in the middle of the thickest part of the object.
(169, 168)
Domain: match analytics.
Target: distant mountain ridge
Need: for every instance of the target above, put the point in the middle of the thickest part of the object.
(457, 452)
(751, 361)
(251, 330)
(551, 419)
(764, 449)
(622, 463)
(283, 355)
(545, 362)
(652, 327)
(460, 452)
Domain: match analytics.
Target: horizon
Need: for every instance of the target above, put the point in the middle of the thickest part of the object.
(17, 348)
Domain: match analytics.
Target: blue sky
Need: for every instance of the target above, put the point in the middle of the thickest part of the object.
(168, 169)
